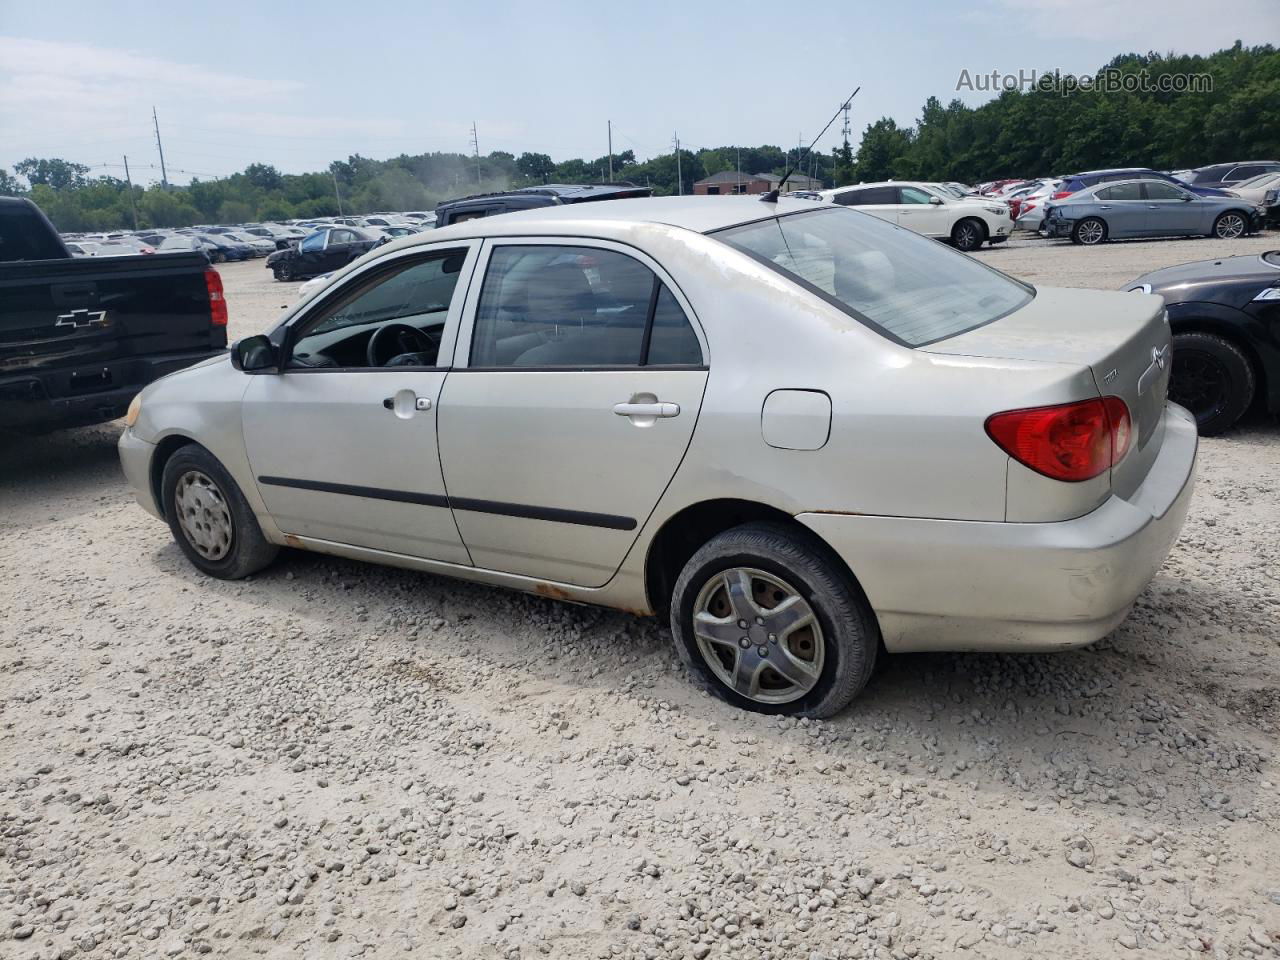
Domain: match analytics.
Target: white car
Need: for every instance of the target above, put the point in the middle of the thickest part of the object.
(314, 284)
(966, 223)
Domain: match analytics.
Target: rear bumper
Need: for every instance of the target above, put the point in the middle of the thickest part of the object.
(85, 394)
(961, 585)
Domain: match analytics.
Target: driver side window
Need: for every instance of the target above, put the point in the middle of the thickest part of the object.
(394, 318)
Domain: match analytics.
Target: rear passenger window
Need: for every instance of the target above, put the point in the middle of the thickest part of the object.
(1121, 191)
(576, 307)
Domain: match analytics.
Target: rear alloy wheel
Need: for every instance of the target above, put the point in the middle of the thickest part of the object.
(1229, 225)
(967, 235)
(765, 618)
(1213, 379)
(1089, 232)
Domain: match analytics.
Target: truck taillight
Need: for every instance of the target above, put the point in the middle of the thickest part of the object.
(217, 302)
(1069, 441)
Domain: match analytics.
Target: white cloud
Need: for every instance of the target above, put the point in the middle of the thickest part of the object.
(91, 104)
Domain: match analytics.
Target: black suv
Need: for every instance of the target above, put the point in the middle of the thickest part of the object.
(526, 198)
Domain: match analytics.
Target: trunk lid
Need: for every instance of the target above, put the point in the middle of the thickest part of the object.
(1123, 338)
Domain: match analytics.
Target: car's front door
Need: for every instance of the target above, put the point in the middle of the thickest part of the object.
(576, 400)
(342, 440)
(1172, 210)
(1122, 206)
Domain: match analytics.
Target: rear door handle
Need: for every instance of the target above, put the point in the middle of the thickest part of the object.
(407, 399)
(663, 410)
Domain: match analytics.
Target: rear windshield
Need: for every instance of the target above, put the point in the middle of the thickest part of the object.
(911, 290)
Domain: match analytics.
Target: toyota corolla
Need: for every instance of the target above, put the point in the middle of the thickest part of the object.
(799, 432)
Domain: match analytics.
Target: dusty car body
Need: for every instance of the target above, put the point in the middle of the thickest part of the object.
(785, 425)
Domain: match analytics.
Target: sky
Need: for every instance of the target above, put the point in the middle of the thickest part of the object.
(297, 84)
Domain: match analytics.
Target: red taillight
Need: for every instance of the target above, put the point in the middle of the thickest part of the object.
(1070, 441)
(217, 303)
(1058, 195)
(1028, 206)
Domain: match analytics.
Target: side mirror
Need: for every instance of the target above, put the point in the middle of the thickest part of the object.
(936, 201)
(253, 354)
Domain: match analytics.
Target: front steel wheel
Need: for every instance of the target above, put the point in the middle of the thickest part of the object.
(203, 515)
(210, 519)
(766, 617)
(758, 635)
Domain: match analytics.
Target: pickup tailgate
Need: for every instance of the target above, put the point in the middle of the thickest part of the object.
(89, 310)
(1121, 337)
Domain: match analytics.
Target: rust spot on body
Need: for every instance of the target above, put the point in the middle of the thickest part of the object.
(551, 590)
(292, 541)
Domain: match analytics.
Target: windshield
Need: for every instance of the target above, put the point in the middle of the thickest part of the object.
(1261, 180)
(906, 287)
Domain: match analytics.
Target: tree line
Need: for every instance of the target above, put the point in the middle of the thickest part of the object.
(1020, 133)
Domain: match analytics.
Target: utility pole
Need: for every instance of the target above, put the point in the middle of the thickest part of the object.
(610, 122)
(333, 173)
(739, 167)
(679, 176)
(129, 180)
(475, 149)
(164, 177)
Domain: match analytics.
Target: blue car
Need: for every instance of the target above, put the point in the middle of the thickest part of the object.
(1091, 178)
(1147, 207)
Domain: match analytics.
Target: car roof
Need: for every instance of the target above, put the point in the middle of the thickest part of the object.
(697, 213)
(1091, 173)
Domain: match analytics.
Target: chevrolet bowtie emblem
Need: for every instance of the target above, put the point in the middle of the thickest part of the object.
(82, 318)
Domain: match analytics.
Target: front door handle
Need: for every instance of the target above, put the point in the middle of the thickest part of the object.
(657, 409)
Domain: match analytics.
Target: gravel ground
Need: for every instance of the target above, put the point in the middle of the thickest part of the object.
(340, 760)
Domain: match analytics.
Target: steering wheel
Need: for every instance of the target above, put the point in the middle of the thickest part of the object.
(404, 338)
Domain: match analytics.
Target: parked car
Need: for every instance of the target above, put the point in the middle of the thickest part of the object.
(1225, 318)
(1229, 174)
(964, 223)
(83, 248)
(1257, 190)
(80, 336)
(528, 198)
(792, 429)
(181, 244)
(222, 248)
(314, 284)
(124, 247)
(280, 237)
(258, 246)
(324, 251)
(1128, 209)
(1030, 214)
(1076, 182)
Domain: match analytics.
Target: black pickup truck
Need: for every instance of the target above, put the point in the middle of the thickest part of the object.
(79, 337)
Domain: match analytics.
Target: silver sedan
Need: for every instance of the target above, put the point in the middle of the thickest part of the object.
(799, 432)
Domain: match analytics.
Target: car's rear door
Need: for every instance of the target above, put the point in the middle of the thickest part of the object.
(578, 381)
(880, 202)
(1122, 207)
(343, 450)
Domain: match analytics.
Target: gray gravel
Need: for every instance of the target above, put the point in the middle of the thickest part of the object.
(339, 760)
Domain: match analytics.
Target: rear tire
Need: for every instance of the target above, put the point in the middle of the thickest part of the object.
(968, 234)
(1090, 232)
(810, 641)
(209, 517)
(1213, 379)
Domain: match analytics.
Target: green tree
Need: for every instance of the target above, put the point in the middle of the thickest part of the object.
(55, 173)
(10, 186)
(536, 166)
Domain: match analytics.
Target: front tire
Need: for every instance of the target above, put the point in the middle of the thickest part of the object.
(1213, 379)
(209, 517)
(1230, 225)
(968, 234)
(1089, 232)
(767, 619)
(283, 271)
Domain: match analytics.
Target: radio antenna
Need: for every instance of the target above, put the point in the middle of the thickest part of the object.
(772, 195)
